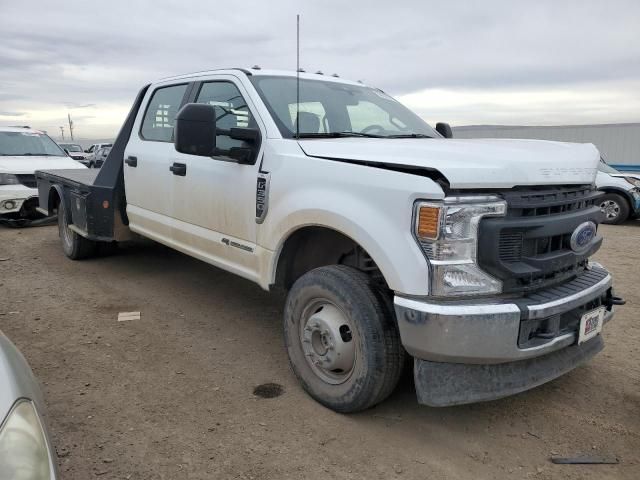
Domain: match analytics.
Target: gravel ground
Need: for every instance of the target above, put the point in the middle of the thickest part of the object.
(171, 396)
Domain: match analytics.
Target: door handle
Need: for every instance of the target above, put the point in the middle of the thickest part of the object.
(179, 169)
(132, 161)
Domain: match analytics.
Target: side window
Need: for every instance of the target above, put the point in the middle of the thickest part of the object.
(161, 111)
(231, 110)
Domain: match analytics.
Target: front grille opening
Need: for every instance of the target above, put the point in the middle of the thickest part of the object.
(551, 202)
(538, 332)
(537, 280)
(510, 247)
(552, 244)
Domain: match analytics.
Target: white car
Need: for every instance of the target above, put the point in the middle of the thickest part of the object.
(96, 146)
(22, 152)
(75, 151)
(622, 194)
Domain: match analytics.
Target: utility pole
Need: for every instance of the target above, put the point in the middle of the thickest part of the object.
(70, 126)
(62, 132)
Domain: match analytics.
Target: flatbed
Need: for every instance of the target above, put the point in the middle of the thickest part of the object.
(77, 176)
(95, 199)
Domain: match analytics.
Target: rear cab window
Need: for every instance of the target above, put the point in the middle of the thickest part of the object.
(157, 124)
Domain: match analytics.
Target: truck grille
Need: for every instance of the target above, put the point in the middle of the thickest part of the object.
(533, 240)
(550, 202)
(27, 179)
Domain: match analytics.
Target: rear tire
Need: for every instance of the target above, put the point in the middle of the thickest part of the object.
(342, 338)
(74, 246)
(615, 208)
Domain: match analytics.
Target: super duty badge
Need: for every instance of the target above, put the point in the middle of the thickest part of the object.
(262, 197)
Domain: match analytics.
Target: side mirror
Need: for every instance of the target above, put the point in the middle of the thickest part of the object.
(195, 130)
(444, 129)
(66, 151)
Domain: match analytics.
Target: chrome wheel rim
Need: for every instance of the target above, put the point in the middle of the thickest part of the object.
(328, 341)
(610, 209)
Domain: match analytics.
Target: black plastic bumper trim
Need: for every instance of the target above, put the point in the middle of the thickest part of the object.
(446, 384)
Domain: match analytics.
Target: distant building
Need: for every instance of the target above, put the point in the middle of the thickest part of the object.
(619, 143)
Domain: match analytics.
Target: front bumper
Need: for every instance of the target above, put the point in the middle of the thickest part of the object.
(15, 194)
(470, 351)
(497, 331)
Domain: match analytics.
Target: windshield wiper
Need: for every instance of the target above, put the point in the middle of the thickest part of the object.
(337, 135)
(410, 135)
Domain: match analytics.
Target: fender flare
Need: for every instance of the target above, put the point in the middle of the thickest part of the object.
(57, 189)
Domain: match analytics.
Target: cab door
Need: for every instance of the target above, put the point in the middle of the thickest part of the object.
(150, 152)
(214, 198)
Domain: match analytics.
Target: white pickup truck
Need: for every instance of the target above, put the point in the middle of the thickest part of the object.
(394, 242)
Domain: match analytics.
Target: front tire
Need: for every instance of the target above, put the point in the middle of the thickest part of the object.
(615, 208)
(74, 246)
(342, 339)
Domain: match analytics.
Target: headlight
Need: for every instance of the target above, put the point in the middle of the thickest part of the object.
(633, 181)
(448, 234)
(24, 454)
(8, 179)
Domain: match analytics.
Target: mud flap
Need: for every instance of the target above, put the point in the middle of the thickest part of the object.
(445, 384)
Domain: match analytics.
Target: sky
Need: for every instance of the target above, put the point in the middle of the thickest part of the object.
(532, 62)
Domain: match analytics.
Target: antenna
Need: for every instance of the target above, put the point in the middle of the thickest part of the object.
(298, 76)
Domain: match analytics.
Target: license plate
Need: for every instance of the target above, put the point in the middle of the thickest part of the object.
(591, 324)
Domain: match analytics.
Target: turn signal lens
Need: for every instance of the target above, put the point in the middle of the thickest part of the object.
(428, 222)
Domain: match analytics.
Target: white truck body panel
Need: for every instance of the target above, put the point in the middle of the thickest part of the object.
(216, 200)
(502, 163)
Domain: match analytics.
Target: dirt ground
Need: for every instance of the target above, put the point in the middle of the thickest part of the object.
(170, 396)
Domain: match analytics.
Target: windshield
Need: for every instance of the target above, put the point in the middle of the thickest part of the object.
(29, 144)
(337, 109)
(606, 168)
(71, 147)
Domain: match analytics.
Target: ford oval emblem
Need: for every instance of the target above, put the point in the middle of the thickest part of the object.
(582, 236)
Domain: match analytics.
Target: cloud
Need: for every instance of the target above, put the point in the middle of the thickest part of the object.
(76, 105)
(75, 55)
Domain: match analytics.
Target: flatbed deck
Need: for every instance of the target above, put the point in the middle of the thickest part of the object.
(78, 176)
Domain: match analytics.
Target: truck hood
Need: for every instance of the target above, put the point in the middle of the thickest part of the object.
(21, 164)
(471, 163)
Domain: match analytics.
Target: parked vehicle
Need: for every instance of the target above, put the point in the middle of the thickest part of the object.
(97, 146)
(621, 200)
(22, 152)
(75, 151)
(26, 451)
(390, 237)
(97, 158)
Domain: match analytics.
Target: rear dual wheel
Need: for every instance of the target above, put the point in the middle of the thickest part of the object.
(74, 246)
(342, 339)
